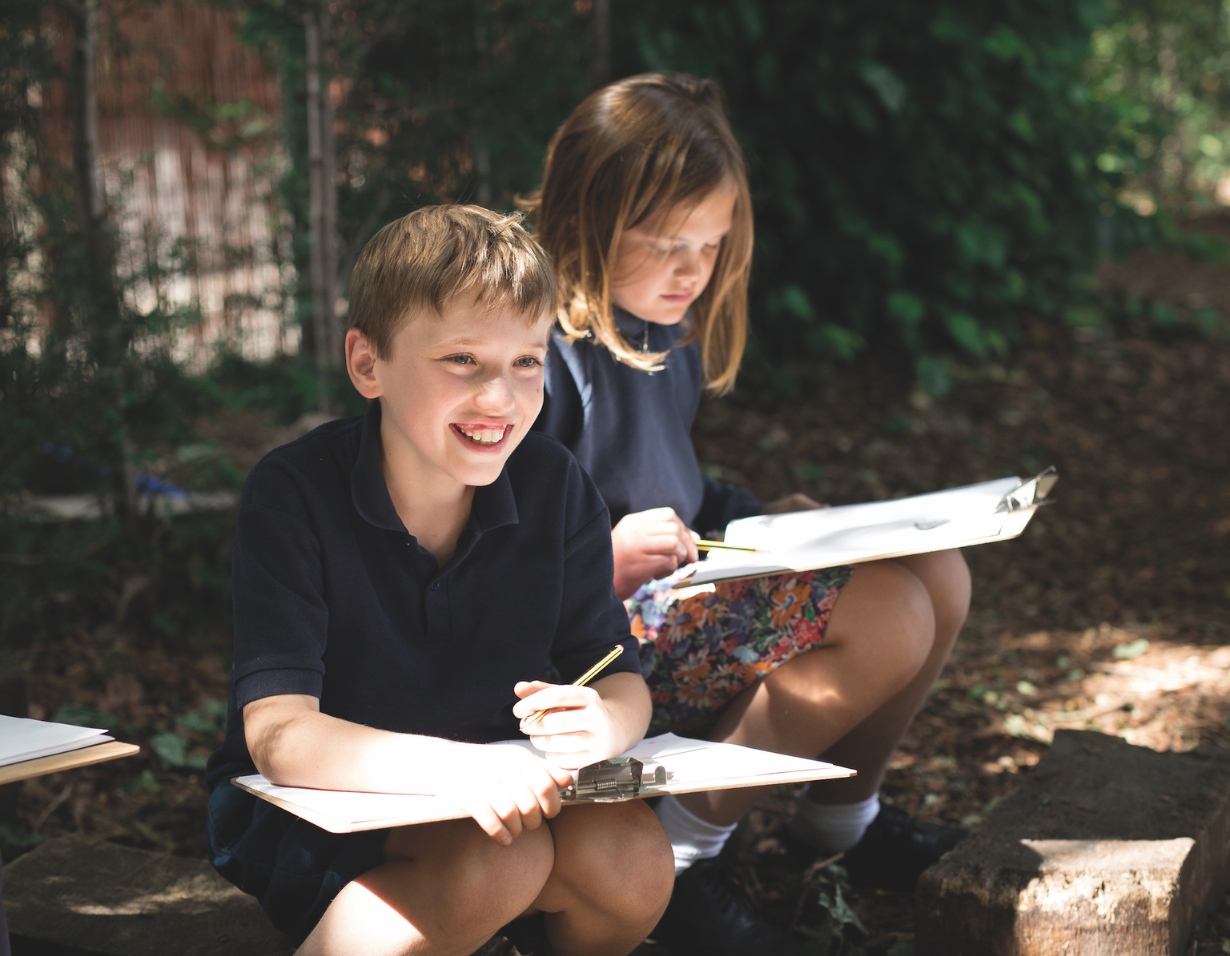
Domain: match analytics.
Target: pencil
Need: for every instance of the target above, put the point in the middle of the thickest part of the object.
(703, 545)
(584, 678)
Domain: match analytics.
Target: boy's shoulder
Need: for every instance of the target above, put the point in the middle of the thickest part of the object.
(550, 486)
(544, 463)
(318, 458)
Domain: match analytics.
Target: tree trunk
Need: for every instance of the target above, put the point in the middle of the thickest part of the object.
(316, 212)
(328, 181)
(480, 151)
(100, 302)
(600, 66)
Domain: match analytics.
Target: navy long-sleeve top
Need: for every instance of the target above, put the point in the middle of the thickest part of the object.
(631, 430)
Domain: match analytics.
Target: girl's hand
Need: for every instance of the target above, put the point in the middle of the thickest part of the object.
(647, 545)
(581, 728)
(794, 502)
(505, 789)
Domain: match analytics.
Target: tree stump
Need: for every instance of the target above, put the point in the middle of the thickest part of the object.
(80, 897)
(1106, 849)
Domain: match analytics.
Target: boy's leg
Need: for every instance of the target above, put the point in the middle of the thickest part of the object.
(869, 746)
(446, 889)
(611, 881)
(880, 634)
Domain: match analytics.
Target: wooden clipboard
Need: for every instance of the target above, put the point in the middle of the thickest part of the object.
(69, 760)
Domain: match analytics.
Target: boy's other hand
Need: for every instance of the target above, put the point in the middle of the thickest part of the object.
(795, 502)
(580, 728)
(505, 789)
(647, 545)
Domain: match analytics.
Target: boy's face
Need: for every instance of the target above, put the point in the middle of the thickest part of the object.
(664, 264)
(459, 392)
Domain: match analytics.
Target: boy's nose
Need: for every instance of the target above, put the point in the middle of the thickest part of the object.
(496, 394)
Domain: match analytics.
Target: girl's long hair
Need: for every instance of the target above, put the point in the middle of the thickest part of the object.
(641, 146)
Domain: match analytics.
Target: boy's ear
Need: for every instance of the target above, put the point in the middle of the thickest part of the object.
(361, 364)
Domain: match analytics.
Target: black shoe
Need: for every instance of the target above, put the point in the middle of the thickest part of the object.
(704, 919)
(527, 933)
(896, 849)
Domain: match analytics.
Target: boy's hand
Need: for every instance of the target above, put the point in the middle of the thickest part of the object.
(580, 729)
(506, 790)
(647, 545)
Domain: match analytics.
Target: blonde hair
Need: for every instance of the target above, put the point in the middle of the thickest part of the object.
(641, 146)
(424, 260)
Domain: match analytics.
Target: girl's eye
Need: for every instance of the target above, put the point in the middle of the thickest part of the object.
(461, 359)
(527, 361)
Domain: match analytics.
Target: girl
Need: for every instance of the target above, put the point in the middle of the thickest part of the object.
(645, 207)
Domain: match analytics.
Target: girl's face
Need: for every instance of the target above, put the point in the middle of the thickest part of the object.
(664, 264)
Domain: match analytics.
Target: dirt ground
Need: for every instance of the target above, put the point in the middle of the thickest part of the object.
(1110, 613)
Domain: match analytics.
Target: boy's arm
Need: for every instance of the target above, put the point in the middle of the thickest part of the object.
(591, 723)
(505, 789)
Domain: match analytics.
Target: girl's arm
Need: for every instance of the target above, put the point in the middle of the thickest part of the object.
(505, 789)
(648, 545)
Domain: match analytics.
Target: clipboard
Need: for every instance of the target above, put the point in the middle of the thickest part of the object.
(976, 514)
(82, 757)
(657, 765)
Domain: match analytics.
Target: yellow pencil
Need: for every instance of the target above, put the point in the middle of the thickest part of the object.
(703, 545)
(583, 679)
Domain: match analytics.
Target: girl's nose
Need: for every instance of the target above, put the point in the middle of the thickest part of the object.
(688, 263)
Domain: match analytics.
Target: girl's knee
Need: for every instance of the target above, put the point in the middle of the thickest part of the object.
(894, 610)
(947, 579)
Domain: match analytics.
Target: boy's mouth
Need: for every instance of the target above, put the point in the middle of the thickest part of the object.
(484, 436)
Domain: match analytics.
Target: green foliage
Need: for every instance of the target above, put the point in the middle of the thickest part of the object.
(1161, 68)
(923, 171)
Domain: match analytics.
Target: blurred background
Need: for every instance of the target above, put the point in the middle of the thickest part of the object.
(990, 238)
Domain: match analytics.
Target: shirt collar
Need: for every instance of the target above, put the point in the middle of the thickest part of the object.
(494, 505)
(660, 338)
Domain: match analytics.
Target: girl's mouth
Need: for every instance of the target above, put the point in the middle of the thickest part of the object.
(483, 436)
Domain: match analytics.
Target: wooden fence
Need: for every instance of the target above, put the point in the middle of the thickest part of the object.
(189, 155)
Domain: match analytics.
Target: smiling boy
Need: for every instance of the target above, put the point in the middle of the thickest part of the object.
(400, 580)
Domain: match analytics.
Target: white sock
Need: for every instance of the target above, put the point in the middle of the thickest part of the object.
(832, 828)
(691, 837)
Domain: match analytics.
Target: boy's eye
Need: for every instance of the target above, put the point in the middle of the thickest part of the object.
(527, 361)
(461, 359)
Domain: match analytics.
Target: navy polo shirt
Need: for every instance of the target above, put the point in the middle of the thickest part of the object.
(631, 429)
(334, 599)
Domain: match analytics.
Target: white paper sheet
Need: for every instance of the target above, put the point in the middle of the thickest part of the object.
(692, 765)
(24, 739)
(850, 534)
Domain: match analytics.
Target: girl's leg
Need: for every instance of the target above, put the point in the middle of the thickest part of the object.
(880, 634)
(446, 890)
(869, 746)
(611, 881)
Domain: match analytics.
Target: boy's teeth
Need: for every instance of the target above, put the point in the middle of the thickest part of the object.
(484, 436)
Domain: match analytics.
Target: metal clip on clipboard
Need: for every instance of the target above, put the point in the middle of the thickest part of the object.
(1030, 494)
(614, 780)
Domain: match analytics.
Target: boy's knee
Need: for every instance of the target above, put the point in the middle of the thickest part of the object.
(618, 851)
(479, 880)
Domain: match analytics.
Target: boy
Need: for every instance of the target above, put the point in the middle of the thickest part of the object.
(393, 575)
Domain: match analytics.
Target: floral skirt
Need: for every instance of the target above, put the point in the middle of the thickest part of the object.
(699, 651)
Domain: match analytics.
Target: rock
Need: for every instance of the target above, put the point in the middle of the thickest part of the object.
(74, 896)
(1105, 850)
